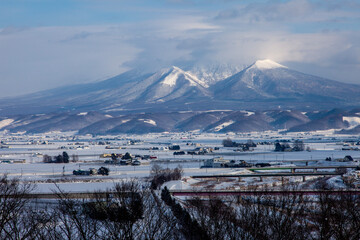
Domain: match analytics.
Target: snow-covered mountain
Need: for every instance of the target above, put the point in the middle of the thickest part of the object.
(343, 121)
(132, 89)
(81, 97)
(268, 81)
(212, 73)
(264, 85)
(170, 84)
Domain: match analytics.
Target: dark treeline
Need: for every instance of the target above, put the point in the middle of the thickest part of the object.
(61, 158)
(245, 146)
(129, 211)
(297, 146)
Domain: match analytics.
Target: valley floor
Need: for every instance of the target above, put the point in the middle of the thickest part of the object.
(22, 157)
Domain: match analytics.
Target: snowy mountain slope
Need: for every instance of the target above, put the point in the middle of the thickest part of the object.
(198, 121)
(55, 122)
(81, 97)
(287, 119)
(329, 121)
(212, 73)
(268, 80)
(137, 123)
(130, 87)
(240, 121)
(264, 85)
(204, 121)
(352, 131)
(171, 84)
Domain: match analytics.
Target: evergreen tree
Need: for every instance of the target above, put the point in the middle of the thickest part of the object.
(65, 157)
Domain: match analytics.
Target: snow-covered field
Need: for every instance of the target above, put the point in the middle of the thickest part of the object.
(21, 156)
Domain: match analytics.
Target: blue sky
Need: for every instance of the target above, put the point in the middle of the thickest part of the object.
(45, 44)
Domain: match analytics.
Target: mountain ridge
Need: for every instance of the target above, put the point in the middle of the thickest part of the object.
(264, 85)
(97, 123)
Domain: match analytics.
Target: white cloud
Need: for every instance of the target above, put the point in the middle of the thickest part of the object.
(45, 57)
(301, 11)
(40, 58)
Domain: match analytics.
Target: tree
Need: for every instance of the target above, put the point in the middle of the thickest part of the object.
(177, 173)
(14, 213)
(298, 146)
(156, 169)
(47, 159)
(250, 143)
(65, 157)
(227, 142)
(160, 175)
(215, 217)
(158, 222)
(278, 147)
(281, 147)
(190, 228)
(59, 159)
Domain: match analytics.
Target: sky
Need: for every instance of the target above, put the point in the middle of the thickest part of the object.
(50, 43)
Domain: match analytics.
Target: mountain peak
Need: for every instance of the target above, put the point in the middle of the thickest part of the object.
(174, 68)
(176, 73)
(266, 64)
(214, 72)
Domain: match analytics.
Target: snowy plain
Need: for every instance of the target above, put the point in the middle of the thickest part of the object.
(29, 150)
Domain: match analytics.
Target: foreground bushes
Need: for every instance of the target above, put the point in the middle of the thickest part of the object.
(127, 212)
(279, 217)
(189, 227)
(130, 212)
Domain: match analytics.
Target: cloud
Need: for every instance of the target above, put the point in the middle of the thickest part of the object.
(315, 37)
(270, 11)
(11, 30)
(174, 41)
(79, 36)
(46, 57)
(280, 46)
(301, 11)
